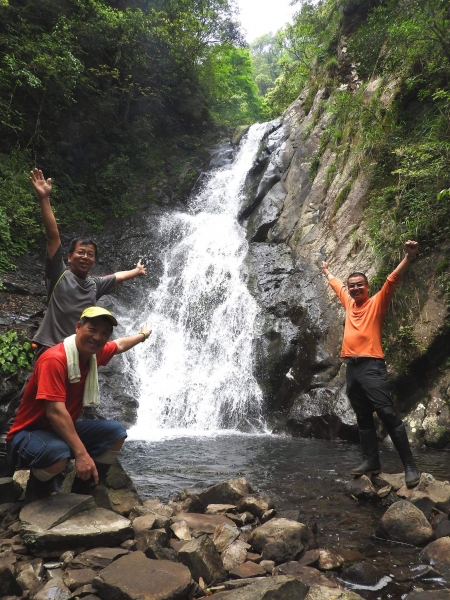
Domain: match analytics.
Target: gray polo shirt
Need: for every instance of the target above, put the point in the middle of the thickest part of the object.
(68, 299)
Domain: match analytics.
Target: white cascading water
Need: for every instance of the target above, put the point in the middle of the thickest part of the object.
(196, 370)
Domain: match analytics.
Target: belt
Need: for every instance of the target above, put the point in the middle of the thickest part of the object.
(353, 360)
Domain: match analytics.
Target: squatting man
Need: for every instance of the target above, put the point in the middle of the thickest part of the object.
(46, 432)
(367, 383)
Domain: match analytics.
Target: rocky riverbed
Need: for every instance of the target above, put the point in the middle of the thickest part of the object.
(225, 541)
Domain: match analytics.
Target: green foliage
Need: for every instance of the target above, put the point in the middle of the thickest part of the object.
(98, 94)
(342, 197)
(314, 166)
(14, 355)
(19, 209)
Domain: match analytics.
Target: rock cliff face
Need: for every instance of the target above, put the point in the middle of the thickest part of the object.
(295, 220)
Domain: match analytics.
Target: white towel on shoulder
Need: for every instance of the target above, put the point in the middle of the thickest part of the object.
(91, 396)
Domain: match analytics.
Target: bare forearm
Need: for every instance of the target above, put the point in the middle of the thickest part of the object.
(126, 343)
(50, 226)
(63, 426)
(125, 275)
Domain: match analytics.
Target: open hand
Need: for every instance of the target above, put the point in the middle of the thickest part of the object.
(144, 329)
(324, 267)
(42, 186)
(140, 268)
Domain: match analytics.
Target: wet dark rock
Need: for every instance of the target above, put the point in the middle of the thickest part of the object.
(222, 155)
(117, 492)
(85, 591)
(281, 551)
(8, 583)
(441, 526)
(304, 573)
(363, 573)
(146, 538)
(76, 578)
(404, 522)
(186, 502)
(227, 492)
(362, 489)
(266, 214)
(281, 587)
(135, 577)
(428, 595)
(203, 560)
(53, 590)
(10, 490)
(437, 554)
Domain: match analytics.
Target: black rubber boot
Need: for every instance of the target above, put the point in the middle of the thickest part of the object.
(401, 443)
(36, 489)
(371, 459)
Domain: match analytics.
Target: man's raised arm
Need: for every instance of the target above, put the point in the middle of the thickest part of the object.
(126, 343)
(411, 249)
(43, 189)
(325, 271)
(136, 272)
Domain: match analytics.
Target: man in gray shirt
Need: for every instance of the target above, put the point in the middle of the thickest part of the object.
(69, 290)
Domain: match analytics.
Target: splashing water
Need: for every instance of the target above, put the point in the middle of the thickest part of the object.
(196, 372)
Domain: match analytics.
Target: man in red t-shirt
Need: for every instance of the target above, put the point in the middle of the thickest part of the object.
(46, 433)
(367, 383)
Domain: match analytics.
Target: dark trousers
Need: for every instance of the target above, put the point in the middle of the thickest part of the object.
(368, 391)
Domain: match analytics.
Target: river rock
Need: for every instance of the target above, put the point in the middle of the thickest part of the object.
(202, 523)
(86, 592)
(186, 502)
(203, 560)
(120, 501)
(51, 524)
(404, 522)
(135, 577)
(162, 521)
(247, 569)
(28, 579)
(10, 490)
(227, 492)
(362, 488)
(428, 490)
(234, 555)
(310, 558)
(76, 578)
(144, 522)
(319, 592)
(97, 558)
(280, 588)
(437, 553)
(396, 480)
(441, 526)
(8, 583)
(158, 507)
(256, 504)
(181, 530)
(329, 560)
(147, 537)
(219, 509)
(363, 573)
(224, 535)
(53, 590)
(307, 575)
(282, 540)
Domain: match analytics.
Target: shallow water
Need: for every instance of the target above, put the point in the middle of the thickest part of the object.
(303, 474)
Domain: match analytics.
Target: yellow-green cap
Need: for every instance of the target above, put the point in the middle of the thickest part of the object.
(98, 311)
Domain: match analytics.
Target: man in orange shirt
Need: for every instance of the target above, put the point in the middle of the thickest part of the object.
(367, 383)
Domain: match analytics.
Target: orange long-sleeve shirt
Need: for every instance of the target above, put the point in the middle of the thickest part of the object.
(364, 324)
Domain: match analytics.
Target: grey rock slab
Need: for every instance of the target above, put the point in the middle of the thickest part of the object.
(247, 569)
(235, 555)
(84, 591)
(270, 588)
(28, 580)
(203, 560)
(219, 509)
(136, 577)
(202, 523)
(96, 558)
(56, 509)
(53, 590)
(404, 522)
(91, 528)
(227, 492)
(282, 530)
(144, 522)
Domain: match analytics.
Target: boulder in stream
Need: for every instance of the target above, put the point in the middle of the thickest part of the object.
(227, 492)
(282, 540)
(437, 553)
(202, 559)
(404, 522)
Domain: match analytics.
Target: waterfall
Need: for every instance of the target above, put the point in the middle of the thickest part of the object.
(196, 370)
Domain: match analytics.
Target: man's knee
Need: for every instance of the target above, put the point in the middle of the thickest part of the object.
(389, 417)
(365, 421)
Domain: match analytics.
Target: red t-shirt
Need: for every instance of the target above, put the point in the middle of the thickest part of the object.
(50, 382)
